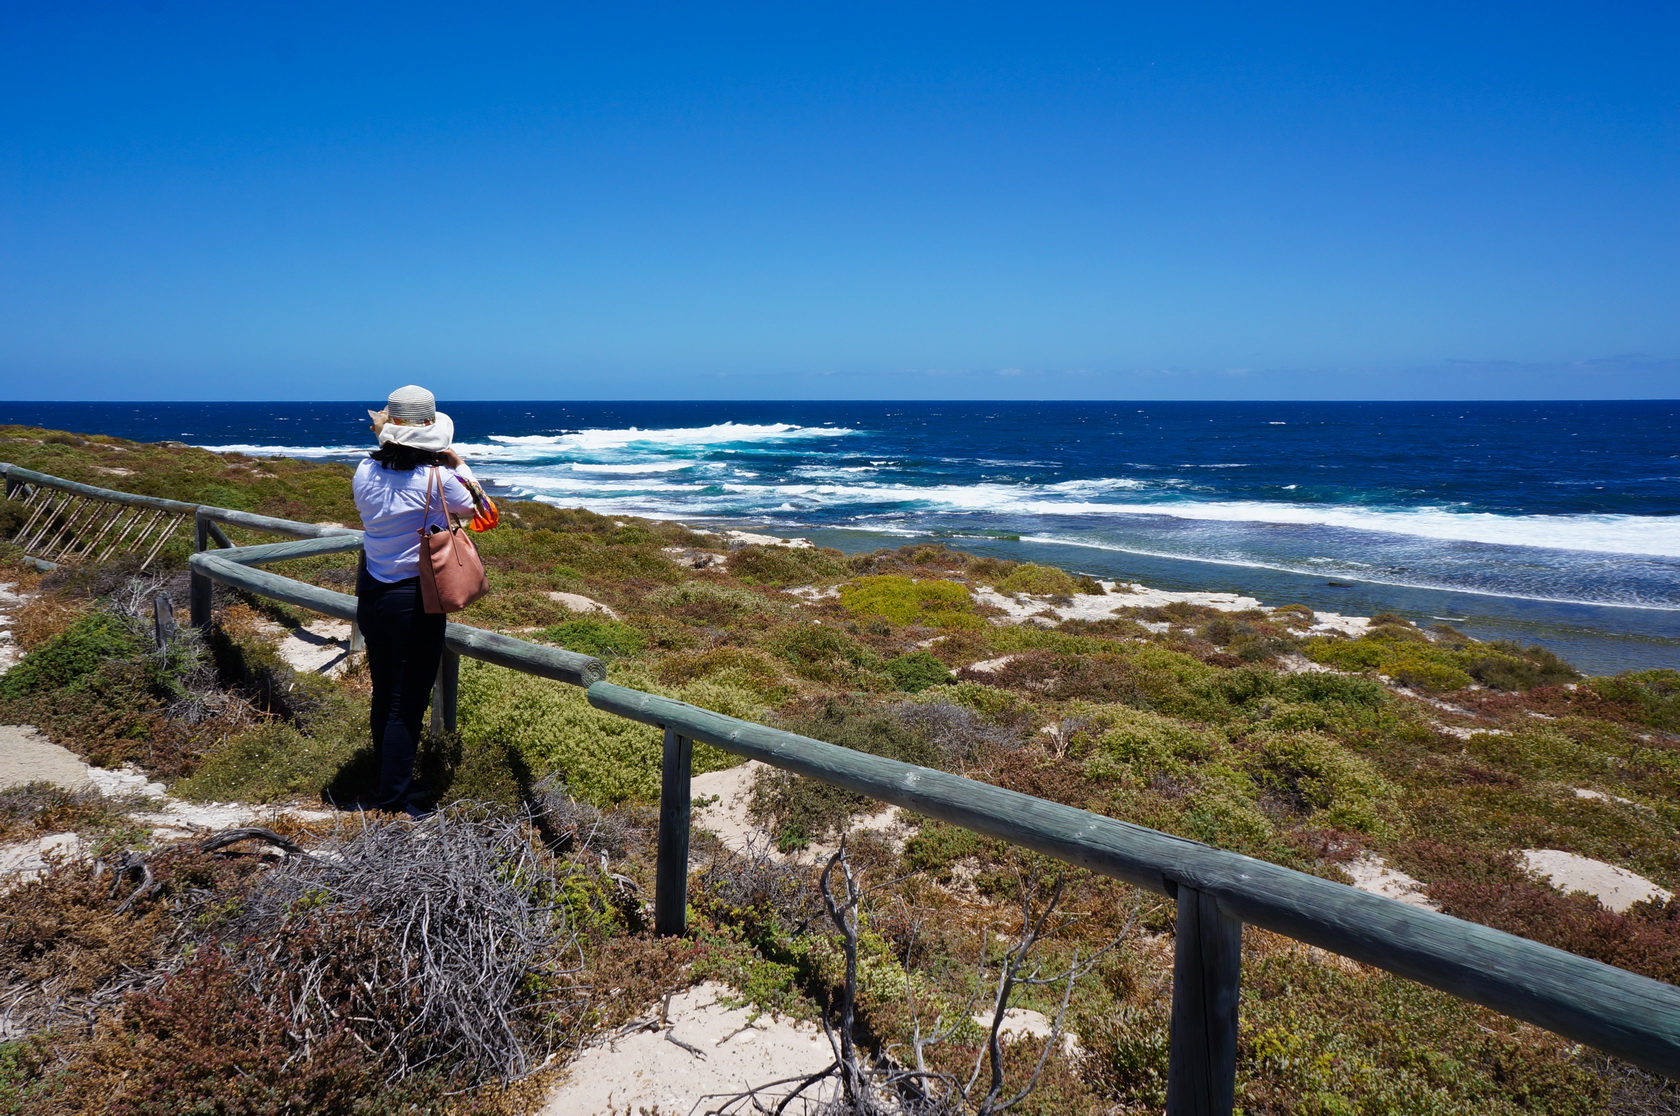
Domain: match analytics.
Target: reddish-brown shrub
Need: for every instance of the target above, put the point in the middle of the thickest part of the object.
(1492, 889)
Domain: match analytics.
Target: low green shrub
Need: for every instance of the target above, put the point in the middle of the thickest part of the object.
(67, 658)
(1333, 786)
(1648, 697)
(916, 671)
(1421, 673)
(700, 602)
(825, 654)
(272, 762)
(998, 706)
(783, 566)
(903, 600)
(1044, 581)
(936, 847)
(1121, 742)
(1407, 656)
(607, 639)
(552, 729)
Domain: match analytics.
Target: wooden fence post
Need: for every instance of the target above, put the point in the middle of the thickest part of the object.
(445, 693)
(163, 620)
(1207, 967)
(670, 897)
(202, 587)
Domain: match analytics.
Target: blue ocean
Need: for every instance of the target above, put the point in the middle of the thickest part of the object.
(1556, 522)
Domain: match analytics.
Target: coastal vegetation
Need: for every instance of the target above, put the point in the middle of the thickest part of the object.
(155, 970)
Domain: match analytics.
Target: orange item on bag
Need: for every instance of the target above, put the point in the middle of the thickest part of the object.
(487, 516)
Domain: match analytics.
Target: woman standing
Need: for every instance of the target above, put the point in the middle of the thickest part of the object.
(404, 641)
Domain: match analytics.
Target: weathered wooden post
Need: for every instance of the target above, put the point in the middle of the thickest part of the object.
(1207, 968)
(670, 897)
(445, 692)
(202, 587)
(163, 620)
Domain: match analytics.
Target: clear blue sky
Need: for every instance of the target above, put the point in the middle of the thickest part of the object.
(621, 201)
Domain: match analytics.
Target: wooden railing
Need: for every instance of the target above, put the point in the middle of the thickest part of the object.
(1216, 891)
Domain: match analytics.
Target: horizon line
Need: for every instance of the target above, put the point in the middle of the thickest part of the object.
(767, 399)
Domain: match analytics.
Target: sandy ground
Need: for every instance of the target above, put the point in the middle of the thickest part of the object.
(1465, 732)
(10, 598)
(1600, 796)
(577, 602)
(991, 666)
(1371, 873)
(724, 1054)
(1026, 1023)
(22, 861)
(28, 757)
(1616, 888)
(737, 539)
(320, 647)
(727, 817)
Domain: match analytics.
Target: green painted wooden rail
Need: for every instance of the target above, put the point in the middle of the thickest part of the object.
(1216, 891)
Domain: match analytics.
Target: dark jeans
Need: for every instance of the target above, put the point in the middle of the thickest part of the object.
(404, 646)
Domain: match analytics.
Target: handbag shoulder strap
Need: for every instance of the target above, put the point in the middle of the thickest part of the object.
(426, 508)
(434, 480)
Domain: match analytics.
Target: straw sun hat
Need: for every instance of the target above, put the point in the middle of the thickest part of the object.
(411, 418)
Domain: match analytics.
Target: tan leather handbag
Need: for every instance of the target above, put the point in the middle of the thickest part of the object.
(451, 572)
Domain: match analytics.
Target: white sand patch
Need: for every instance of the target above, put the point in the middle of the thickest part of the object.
(176, 818)
(991, 666)
(1026, 1023)
(1465, 732)
(1335, 622)
(9, 599)
(1371, 873)
(1092, 606)
(646, 1068)
(727, 817)
(813, 594)
(577, 602)
(1296, 663)
(320, 647)
(22, 861)
(1141, 596)
(887, 822)
(28, 757)
(1616, 888)
(1025, 605)
(1600, 796)
(738, 539)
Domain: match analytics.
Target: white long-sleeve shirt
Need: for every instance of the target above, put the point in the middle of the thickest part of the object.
(392, 504)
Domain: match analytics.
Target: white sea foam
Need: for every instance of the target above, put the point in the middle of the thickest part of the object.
(634, 467)
(1607, 534)
(634, 485)
(307, 452)
(555, 485)
(1099, 484)
(718, 434)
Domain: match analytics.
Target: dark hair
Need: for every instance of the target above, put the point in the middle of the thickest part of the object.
(394, 456)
